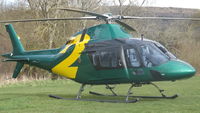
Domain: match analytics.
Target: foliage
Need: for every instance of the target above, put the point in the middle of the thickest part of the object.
(180, 37)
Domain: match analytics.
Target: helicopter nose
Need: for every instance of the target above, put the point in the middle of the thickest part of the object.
(176, 69)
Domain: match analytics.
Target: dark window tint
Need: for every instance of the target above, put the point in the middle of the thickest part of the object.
(152, 56)
(132, 58)
(106, 59)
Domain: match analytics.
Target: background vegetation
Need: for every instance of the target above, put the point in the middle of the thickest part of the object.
(180, 37)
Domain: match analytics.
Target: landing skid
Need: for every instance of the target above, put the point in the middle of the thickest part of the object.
(95, 100)
(153, 97)
(127, 97)
(78, 97)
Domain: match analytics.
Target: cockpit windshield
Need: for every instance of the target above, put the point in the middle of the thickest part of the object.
(152, 55)
(164, 50)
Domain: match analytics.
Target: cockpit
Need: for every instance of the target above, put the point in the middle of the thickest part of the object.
(155, 54)
(131, 55)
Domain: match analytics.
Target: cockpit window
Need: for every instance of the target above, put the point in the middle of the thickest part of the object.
(152, 56)
(132, 58)
(165, 51)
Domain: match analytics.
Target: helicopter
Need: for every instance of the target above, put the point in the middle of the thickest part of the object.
(104, 54)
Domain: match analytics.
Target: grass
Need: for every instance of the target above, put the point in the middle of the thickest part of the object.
(31, 97)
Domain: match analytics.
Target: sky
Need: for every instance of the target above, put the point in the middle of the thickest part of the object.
(175, 3)
(167, 3)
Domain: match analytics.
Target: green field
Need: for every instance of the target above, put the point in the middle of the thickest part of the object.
(31, 97)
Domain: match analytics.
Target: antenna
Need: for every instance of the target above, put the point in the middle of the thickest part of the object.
(142, 37)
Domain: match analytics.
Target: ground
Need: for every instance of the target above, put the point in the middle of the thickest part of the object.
(32, 97)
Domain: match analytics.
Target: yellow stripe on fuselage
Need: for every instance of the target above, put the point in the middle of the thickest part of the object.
(63, 68)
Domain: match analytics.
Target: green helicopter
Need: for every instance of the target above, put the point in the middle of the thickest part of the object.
(104, 54)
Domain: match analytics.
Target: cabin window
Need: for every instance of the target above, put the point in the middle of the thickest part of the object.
(132, 58)
(106, 59)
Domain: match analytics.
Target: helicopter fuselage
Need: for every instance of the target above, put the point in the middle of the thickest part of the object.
(106, 54)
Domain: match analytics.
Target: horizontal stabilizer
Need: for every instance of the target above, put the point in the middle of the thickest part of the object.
(15, 60)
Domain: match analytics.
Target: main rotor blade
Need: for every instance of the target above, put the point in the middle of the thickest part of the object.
(49, 19)
(83, 11)
(160, 18)
(125, 25)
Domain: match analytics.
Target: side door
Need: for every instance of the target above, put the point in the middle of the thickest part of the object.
(137, 71)
(110, 65)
